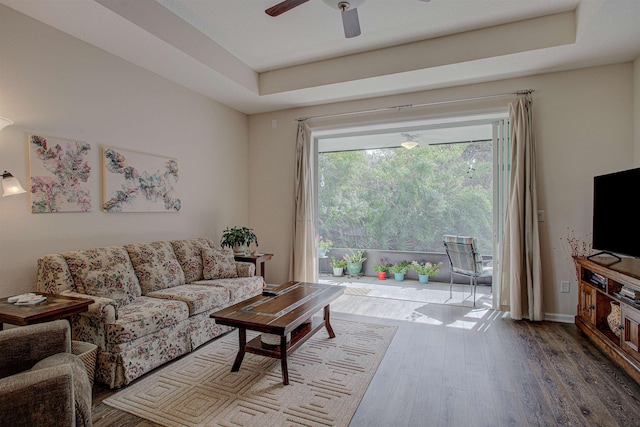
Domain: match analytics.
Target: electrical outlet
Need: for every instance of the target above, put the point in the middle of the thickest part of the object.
(564, 286)
(540, 216)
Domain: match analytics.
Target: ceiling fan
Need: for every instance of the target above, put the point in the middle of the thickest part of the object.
(348, 11)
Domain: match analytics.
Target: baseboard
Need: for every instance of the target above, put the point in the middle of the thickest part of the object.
(561, 318)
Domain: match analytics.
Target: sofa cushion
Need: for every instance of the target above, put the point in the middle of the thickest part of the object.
(82, 262)
(155, 265)
(198, 298)
(189, 255)
(145, 316)
(114, 283)
(54, 276)
(219, 264)
(238, 289)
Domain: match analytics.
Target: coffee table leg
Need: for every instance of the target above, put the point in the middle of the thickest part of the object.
(242, 333)
(327, 324)
(283, 360)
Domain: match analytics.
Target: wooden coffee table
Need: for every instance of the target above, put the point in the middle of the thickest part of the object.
(55, 307)
(289, 311)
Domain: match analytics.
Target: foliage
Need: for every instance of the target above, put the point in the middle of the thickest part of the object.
(324, 243)
(426, 268)
(341, 263)
(578, 247)
(381, 266)
(237, 236)
(355, 257)
(400, 267)
(406, 200)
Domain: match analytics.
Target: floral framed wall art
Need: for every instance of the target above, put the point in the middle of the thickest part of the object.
(137, 182)
(60, 173)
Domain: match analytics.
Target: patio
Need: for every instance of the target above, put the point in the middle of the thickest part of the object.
(410, 291)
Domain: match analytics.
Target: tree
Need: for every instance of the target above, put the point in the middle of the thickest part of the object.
(399, 199)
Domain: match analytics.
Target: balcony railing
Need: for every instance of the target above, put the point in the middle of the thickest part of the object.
(393, 257)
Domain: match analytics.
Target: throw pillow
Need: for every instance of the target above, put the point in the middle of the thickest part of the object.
(114, 284)
(218, 263)
(189, 255)
(156, 265)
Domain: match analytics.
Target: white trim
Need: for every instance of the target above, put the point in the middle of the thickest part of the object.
(559, 317)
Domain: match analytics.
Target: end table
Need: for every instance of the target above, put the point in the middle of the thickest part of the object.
(255, 259)
(54, 308)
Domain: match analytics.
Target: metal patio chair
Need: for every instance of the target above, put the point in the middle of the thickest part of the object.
(465, 259)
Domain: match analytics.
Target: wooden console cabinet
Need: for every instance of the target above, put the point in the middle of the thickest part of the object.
(595, 297)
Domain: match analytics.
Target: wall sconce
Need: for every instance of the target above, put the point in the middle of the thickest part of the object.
(4, 122)
(10, 184)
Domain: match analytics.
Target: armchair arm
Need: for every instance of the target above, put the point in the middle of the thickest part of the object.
(25, 346)
(245, 269)
(41, 397)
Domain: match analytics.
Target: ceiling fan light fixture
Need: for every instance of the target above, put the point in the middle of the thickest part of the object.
(409, 144)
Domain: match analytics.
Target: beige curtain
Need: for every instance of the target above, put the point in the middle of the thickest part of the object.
(521, 275)
(304, 254)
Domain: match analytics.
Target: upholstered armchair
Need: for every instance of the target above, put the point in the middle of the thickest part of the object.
(41, 382)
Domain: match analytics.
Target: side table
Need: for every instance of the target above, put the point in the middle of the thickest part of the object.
(257, 260)
(55, 307)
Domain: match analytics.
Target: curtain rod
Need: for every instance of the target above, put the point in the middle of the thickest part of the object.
(398, 107)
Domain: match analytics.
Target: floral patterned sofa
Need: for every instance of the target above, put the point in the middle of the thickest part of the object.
(152, 300)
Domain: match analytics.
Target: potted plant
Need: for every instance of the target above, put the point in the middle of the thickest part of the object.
(381, 267)
(354, 262)
(324, 245)
(338, 266)
(399, 269)
(238, 238)
(425, 269)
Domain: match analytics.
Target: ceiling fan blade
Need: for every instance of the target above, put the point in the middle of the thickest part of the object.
(283, 7)
(351, 23)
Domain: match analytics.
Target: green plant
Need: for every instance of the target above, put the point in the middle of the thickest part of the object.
(426, 268)
(400, 267)
(238, 236)
(341, 263)
(355, 257)
(324, 243)
(381, 266)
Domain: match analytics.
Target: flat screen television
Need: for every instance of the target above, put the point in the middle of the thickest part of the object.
(616, 219)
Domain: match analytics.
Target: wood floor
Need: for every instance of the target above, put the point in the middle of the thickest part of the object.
(458, 366)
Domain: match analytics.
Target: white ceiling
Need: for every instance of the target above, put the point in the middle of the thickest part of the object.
(231, 51)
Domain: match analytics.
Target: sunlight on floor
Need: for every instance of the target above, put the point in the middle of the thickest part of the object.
(429, 304)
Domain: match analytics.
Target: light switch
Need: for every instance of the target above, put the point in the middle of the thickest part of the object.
(540, 216)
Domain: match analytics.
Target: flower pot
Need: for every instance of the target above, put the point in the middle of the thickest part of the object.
(423, 278)
(354, 268)
(382, 275)
(322, 252)
(240, 249)
(337, 271)
(398, 276)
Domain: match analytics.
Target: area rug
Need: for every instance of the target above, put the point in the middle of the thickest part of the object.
(327, 379)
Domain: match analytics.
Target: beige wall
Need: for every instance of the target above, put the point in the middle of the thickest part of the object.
(55, 85)
(584, 127)
(636, 112)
